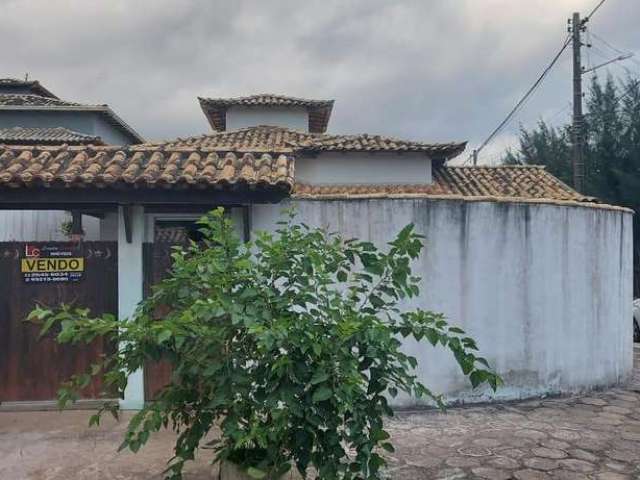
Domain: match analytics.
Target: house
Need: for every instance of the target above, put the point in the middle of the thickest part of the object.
(524, 263)
(27, 104)
(31, 114)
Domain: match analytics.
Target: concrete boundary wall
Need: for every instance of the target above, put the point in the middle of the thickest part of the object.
(546, 290)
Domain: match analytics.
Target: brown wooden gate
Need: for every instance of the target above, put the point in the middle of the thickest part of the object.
(157, 263)
(32, 369)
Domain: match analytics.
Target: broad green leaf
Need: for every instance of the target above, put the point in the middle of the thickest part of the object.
(256, 473)
(164, 335)
(321, 394)
(319, 377)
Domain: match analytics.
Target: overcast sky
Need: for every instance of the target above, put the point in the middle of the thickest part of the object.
(433, 70)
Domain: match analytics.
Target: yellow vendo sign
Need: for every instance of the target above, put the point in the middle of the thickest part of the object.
(30, 265)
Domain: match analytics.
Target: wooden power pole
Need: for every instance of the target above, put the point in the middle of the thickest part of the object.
(577, 26)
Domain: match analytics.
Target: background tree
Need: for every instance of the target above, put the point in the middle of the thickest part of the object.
(612, 153)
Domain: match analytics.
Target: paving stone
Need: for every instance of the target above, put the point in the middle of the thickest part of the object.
(491, 473)
(451, 474)
(592, 438)
(549, 453)
(566, 435)
(530, 475)
(583, 455)
(462, 462)
(531, 434)
(577, 465)
(612, 476)
(557, 444)
(618, 410)
(424, 461)
(487, 442)
(633, 436)
(504, 462)
(513, 453)
(618, 467)
(593, 401)
(620, 455)
(538, 463)
(569, 475)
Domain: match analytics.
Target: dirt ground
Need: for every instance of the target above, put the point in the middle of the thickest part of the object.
(594, 437)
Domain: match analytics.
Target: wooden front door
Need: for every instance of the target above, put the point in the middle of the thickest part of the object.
(31, 369)
(157, 263)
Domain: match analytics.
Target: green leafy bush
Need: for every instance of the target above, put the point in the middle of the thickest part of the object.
(290, 346)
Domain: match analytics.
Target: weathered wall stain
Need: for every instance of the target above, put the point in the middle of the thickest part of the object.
(545, 289)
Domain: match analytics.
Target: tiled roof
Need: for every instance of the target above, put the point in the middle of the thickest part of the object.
(141, 167)
(32, 85)
(378, 143)
(12, 101)
(506, 182)
(268, 138)
(319, 110)
(30, 100)
(47, 135)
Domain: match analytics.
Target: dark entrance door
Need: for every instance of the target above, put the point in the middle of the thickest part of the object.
(157, 263)
(31, 369)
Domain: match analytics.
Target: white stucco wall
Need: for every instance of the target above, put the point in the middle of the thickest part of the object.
(41, 225)
(361, 168)
(290, 117)
(546, 290)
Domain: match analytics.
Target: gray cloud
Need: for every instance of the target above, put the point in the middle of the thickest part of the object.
(430, 69)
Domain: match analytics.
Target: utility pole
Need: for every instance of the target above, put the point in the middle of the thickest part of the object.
(576, 27)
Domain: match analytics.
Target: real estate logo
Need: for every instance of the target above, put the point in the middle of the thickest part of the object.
(31, 251)
(51, 263)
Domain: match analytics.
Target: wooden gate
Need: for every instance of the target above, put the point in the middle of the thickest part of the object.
(157, 263)
(31, 369)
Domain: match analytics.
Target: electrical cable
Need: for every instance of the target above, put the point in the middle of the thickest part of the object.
(594, 10)
(529, 92)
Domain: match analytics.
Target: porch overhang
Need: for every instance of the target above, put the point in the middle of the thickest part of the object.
(94, 178)
(96, 199)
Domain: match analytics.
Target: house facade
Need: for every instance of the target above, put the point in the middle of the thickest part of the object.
(539, 274)
(31, 114)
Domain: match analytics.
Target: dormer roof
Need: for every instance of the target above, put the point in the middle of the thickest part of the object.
(319, 110)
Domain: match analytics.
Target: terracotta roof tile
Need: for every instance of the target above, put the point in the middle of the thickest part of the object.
(13, 101)
(146, 167)
(30, 100)
(271, 138)
(507, 182)
(45, 135)
(319, 110)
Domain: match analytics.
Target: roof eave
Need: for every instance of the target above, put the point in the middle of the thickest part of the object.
(104, 109)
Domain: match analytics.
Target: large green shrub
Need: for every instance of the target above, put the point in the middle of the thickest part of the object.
(289, 345)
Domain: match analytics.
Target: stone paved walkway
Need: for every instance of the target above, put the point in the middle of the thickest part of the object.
(595, 437)
(579, 438)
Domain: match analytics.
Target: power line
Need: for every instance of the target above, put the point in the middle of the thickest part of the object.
(522, 101)
(606, 43)
(617, 50)
(616, 61)
(594, 10)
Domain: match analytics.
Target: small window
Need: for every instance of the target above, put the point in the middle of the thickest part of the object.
(177, 231)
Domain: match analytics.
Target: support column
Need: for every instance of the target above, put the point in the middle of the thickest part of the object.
(130, 278)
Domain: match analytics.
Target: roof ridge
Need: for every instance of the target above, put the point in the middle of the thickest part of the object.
(542, 167)
(52, 102)
(264, 94)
